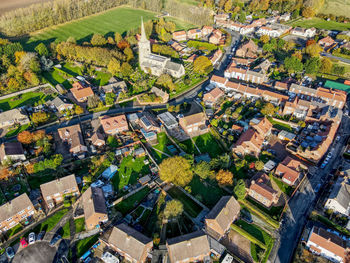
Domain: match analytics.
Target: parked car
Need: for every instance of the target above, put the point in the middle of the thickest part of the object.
(10, 253)
(40, 236)
(98, 183)
(23, 242)
(55, 239)
(31, 238)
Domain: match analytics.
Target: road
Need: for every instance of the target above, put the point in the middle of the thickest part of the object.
(328, 55)
(303, 203)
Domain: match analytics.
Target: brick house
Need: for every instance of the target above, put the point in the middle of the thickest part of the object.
(15, 211)
(94, 205)
(53, 192)
(290, 171)
(248, 50)
(191, 247)
(73, 138)
(114, 125)
(194, 124)
(261, 191)
(129, 243)
(220, 218)
(212, 97)
(80, 92)
(326, 42)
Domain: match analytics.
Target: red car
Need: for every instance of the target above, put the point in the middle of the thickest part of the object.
(23, 242)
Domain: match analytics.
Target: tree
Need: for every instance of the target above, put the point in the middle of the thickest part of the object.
(40, 117)
(264, 39)
(25, 137)
(4, 174)
(293, 64)
(312, 65)
(313, 50)
(228, 6)
(224, 177)
(113, 66)
(98, 40)
(239, 189)
(78, 110)
(242, 17)
(269, 109)
(308, 12)
(128, 53)
(259, 165)
(166, 81)
(173, 209)
(202, 65)
(112, 141)
(110, 97)
(338, 70)
(176, 170)
(203, 170)
(46, 64)
(126, 69)
(117, 37)
(326, 65)
(42, 50)
(93, 101)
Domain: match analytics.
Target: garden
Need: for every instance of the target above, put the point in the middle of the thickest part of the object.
(132, 201)
(25, 99)
(206, 143)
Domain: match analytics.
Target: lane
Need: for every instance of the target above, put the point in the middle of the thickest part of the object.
(345, 60)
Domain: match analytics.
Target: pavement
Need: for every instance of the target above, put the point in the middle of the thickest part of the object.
(303, 203)
(328, 55)
(40, 252)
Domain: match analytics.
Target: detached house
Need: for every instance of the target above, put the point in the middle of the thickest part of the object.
(290, 171)
(212, 97)
(10, 117)
(191, 247)
(207, 30)
(72, 136)
(53, 192)
(220, 218)
(339, 198)
(114, 125)
(261, 191)
(304, 32)
(248, 50)
(94, 205)
(215, 37)
(194, 33)
(11, 151)
(326, 244)
(61, 104)
(326, 42)
(15, 211)
(129, 243)
(194, 124)
(80, 92)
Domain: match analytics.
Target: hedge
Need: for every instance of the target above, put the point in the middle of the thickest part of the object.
(248, 236)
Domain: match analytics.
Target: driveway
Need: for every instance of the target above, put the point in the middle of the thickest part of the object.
(40, 252)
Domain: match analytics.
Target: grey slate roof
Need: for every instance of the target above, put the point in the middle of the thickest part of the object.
(341, 194)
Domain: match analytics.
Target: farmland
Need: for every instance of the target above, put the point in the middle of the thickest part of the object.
(119, 19)
(336, 7)
(320, 24)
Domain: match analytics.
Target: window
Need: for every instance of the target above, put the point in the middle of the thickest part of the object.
(24, 216)
(9, 219)
(21, 212)
(65, 191)
(29, 207)
(48, 198)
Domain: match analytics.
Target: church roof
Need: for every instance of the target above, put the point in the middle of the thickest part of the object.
(172, 66)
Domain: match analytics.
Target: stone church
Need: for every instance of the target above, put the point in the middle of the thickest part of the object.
(156, 64)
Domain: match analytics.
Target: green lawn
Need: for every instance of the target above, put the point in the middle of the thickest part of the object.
(50, 222)
(321, 24)
(336, 7)
(288, 190)
(161, 146)
(29, 98)
(206, 143)
(65, 230)
(280, 126)
(209, 195)
(84, 244)
(128, 204)
(255, 231)
(274, 211)
(119, 19)
(17, 130)
(190, 206)
(14, 230)
(130, 170)
(38, 179)
(79, 225)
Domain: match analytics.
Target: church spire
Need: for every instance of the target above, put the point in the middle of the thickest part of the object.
(143, 33)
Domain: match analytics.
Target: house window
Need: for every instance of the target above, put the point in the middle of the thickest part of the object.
(9, 219)
(12, 223)
(24, 216)
(29, 207)
(21, 212)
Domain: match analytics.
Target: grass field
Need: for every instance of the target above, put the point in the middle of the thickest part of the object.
(17, 130)
(321, 24)
(79, 225)
(206, 143)
(50, 223)
(29, 98)
(84, 244)
(119, 19)
(336, 7)
(129, 203)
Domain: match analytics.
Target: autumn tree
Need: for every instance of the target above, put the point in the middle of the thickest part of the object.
(224, 177)
(269, 109)
(98, 40)
(240, 189)
(114, 66)
(308, 12)
(203, 170)
(176, 170)
(40, 117)
(25, 137)
(117, 37)
(42, 50)
(202, 65)
(326, 65)
(4, 174)
(78, 110)
(264, 39)
(173, 209)
(128, 53)
(126, 69)
(313, 50)
(312, 65)
(259, 165)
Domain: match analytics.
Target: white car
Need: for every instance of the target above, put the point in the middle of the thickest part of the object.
(31, 238)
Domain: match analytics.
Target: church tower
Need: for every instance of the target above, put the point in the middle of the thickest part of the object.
(144, 45)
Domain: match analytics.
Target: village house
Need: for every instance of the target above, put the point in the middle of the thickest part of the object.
(259, 22)
(114, 125)
(61, 104)
(94, 205)
(11, 151)
(73, 138)
(216, 57)
(194, 125)
(17, 210)
(129, 243)
(221, 17)
(297, 108)
(251, 141)
(304, 32)
(247, 29)
(220, 218)
(97, 139)
(326, 42)
(191, 247)
(326, 244)
(244, 74)
(261, 191)
(212, 97)
(247, 50)
(114, 86)
(339, 198)
(335, 98)
(53, 192)
(148, 122)
(215, 37)
(218, 81)
(290, 171)
(81, 92)
(194, 33)
(11, 117)
(283, 86)
(160, 93)
(180, 36)
(273, 30)
(285, 17)
(207, 30)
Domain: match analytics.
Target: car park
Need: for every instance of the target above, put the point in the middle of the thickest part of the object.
(54, 240)
(40, 236)
(31, 238)
(10, 253)
(23, 242)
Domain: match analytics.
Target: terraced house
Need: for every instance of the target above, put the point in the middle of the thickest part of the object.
(53, 192)
(15, 211)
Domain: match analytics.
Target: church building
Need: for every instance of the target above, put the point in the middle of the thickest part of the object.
(156, 64)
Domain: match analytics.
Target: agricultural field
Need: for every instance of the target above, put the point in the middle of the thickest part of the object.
(320, 24)
(336, 7)
(119, 19)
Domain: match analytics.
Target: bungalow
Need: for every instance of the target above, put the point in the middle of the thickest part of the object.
(61, 104)
(168, 120)
(94, 205)
(191, 247)
(129, 243)
(326, 42)
(11, 151)
(180, 36)
(220, 218)
(194, 124)
(194, 33)
(72, 136)
(261, 191)
(304, 32)
(80, 92)
(212, 97)
(14, 116)
(114, 125)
